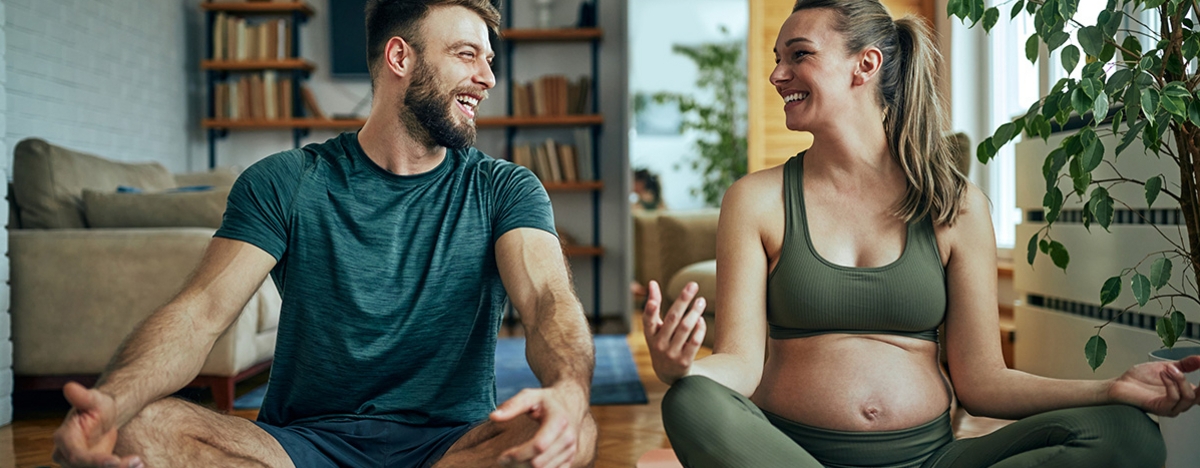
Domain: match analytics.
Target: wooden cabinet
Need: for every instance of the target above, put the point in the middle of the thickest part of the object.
(770, 142)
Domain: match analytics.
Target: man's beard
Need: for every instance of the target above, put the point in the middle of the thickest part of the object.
(426, 113)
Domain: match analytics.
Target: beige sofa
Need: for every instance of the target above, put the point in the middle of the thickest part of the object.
(78, 290)
(676, 247)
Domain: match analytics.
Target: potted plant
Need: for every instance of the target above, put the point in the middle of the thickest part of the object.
(1139, 87)
(721, 151)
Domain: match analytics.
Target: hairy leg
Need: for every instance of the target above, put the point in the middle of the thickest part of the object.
(483, 445)
(172, 432)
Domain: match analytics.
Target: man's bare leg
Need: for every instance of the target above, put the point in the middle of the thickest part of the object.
(483, 445)
(174, 433)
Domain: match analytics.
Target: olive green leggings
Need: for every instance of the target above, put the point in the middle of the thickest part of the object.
(711, 425)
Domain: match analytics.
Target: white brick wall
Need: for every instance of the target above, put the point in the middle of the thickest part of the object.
(6, 377)
(106, 77)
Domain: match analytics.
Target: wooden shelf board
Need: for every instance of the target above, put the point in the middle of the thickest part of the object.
(575, 186)
(281, 124)
(583, 251)
(283, 64)
(541, 121)
(1004, 268)
(261, 8)
(553, 35)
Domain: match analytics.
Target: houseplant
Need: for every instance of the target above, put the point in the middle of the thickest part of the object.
(721, 150)
(1135, 85)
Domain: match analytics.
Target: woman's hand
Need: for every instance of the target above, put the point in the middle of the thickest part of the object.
(674, 338)
(1158, 387)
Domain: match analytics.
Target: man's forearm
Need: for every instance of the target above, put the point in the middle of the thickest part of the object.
(559, 345)
(162, 355)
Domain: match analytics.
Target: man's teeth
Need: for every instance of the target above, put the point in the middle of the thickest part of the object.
(795, 97)
(465, 99)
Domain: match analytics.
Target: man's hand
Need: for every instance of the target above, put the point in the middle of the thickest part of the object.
(1158, 387)
(89, 433)
(561, 412)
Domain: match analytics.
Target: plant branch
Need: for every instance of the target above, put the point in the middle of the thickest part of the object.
(1155, 226)
(1126, 179)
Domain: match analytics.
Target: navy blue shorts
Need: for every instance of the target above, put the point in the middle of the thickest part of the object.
(365, 443)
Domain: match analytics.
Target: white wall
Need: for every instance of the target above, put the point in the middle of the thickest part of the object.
(572, 211)
(104, 77)
(654, 67)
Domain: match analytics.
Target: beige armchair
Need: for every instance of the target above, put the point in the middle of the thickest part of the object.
(77, 291)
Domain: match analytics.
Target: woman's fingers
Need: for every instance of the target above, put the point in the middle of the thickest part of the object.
(675, 316)
(650, 318)
(1172, 392)
(684, 330)
(697, 339)
(1187, 394)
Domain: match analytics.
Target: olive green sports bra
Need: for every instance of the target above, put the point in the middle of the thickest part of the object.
(808, 295)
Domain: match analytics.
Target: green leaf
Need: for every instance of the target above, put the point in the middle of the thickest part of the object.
(1132, 45)
(1092, 155)
(1016, 9)
(1153, 186)
(1004, 133)
(1118, 81)
(1180, 323)
(989, 18)
(1166, 331)
(1044, 246)
(1052, 201)
(1033, 245)
(1058, 253)
(1141, 289)
(1056, 40)
(1194, 112)
(1108, 52)
(1081, 178)
(1160, 273)
(1149, 102)
(1191, 47)
(1030, 7)
(1066, 8)
(1089, 88)
(985, 151)
(1101, 206)
(1031, 48)
(1100, 111)
(1095, 350)
(1094, 71)
(1116, 121)
(1091, 39)
(1087, 216)
(1110, 21)
(1110, 291)
(1070, 58)
(1050, 107)
(1080, 100)
(1044, 130)
(1053, 164)
(1174, 65)
(1173, 99)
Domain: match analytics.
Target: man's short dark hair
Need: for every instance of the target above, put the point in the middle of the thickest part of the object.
(390, 18)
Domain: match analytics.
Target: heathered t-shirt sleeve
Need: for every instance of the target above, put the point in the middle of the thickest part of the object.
(520, 201)
(256, 211)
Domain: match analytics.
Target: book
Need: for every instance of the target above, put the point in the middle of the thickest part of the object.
(556, 174)
(285, 98)
(541, 164)
(566, 156)
(270, 96)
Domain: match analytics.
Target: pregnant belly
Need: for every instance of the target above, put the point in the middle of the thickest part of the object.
(854, 382)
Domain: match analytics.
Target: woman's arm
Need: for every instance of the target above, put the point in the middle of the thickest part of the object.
(741, 323)
(984, 385)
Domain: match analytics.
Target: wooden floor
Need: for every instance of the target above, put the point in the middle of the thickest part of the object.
(626, 432)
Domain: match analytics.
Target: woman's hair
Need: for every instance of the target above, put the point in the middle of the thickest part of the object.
(914, 117)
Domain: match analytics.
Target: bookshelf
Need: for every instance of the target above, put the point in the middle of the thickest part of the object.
(589, 121)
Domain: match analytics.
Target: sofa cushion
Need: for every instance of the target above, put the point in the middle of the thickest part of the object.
(647, 256)
(105, 209)
(48, 182)
(686, 238)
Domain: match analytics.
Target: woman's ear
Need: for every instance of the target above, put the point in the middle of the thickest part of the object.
(870, 61)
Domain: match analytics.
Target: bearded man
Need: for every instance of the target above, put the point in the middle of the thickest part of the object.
(395, 249)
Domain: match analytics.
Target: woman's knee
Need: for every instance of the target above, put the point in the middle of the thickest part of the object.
(1125, 436)
(698, 406)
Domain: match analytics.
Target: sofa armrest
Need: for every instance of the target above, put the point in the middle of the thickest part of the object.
(686, 238)
(77, 293)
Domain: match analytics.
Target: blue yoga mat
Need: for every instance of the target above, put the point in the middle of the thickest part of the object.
(615, 381)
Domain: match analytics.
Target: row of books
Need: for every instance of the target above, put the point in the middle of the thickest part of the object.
(260, 96)
(551, 95)
(554, 162)
(235, 39)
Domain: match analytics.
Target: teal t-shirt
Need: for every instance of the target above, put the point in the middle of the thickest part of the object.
(391, 295)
